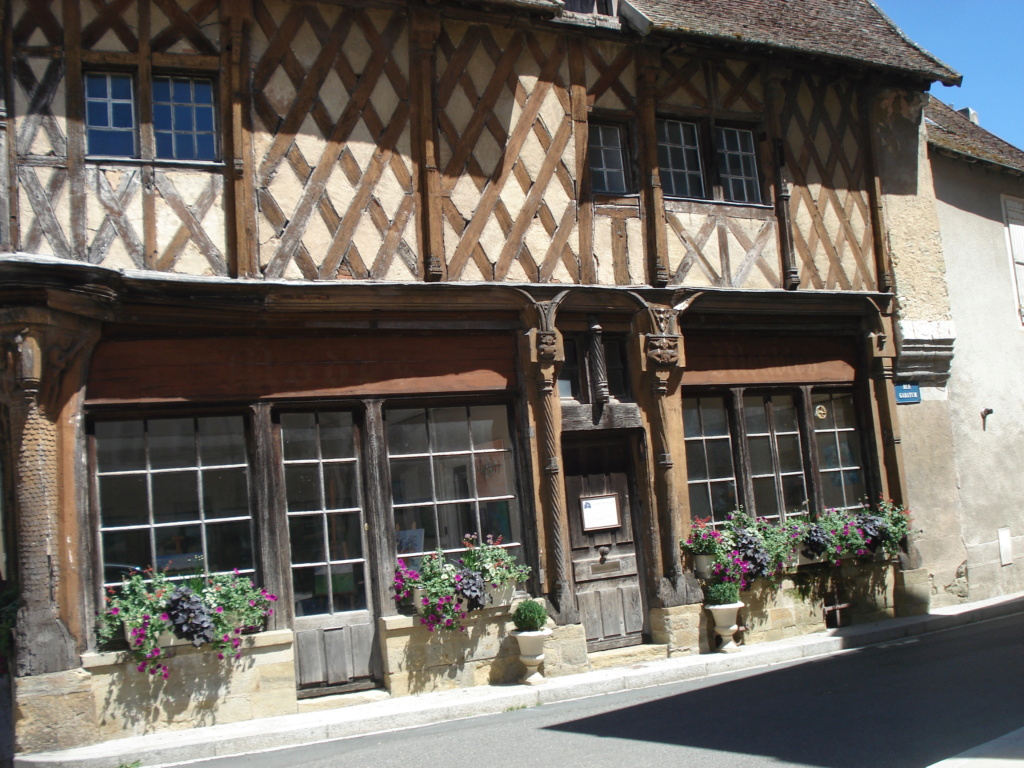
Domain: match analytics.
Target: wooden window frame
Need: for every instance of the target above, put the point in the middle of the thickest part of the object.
(1013, 216)
(813, 475)
(710, 153)
(629, 159)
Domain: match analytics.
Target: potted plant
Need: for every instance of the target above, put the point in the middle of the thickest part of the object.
(530, 618)
(154, 612)
(407, 587)
(496, 565)
(722, 599)
(704, 545)
(442, 604)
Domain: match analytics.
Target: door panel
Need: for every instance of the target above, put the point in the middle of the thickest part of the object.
(605, 564)
(334, 615)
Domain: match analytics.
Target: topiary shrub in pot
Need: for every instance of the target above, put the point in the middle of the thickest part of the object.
(722, 599)
(530, 618)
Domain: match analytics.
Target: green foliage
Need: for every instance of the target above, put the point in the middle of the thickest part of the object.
(495, 564)
(721, 593)
(452, 589)
(206, 610)
(703, 540)
(529, 616)
(751, 548)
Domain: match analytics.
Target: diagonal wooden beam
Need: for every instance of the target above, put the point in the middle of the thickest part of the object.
(206, 246)
(317, 181)
(116, 220)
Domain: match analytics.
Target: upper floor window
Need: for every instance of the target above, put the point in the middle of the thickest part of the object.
(1015, 227)
(732, 176)
(183, 118)
(110, 115)
(607, 158)
(184, 125)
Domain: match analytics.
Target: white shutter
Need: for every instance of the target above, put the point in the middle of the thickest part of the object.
(1015, 226)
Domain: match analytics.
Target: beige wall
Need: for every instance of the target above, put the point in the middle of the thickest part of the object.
(986, 369)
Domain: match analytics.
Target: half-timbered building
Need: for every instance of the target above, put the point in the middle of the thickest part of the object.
(292, 287)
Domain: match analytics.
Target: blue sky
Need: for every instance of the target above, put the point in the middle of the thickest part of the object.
(983, 40)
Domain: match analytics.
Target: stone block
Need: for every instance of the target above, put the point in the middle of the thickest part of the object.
(275, 677)
(273, 703)
(782, 617)
(54, 711)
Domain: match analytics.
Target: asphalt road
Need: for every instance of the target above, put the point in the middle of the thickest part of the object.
(905, 704)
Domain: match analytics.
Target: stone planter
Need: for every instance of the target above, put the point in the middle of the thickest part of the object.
(725, 624)
(500, 595)
(531, 653)
(702, 565)
(165, 640)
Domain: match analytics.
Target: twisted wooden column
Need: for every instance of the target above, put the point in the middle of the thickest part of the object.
(562, 593)
(33, 359)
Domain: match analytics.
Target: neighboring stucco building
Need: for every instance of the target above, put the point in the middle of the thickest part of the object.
(979, 191)
(294, 287)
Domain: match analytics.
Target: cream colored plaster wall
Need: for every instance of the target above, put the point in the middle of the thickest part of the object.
(923, 302)
(909, 203)
(986, 370)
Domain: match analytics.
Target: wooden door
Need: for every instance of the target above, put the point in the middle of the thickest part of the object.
(331, 601)
(599, 486)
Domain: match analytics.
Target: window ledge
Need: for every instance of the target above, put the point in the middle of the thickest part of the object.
(738, 210)
(268, 639)
(201, 165)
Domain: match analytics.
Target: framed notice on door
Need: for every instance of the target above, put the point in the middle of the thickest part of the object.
(600, 512)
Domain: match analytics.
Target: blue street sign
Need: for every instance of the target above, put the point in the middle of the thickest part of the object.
(908, 393)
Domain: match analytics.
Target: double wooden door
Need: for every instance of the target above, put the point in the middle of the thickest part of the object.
(601, 498)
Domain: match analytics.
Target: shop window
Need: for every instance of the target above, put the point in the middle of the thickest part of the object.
(452, 473)
(173, 494)
(323, 504)
(686, 171)
(750, 448)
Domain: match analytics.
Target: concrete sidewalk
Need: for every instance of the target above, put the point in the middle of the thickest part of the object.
(382, 713)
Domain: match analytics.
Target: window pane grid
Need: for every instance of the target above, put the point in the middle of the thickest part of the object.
(839, 455)
(110, 115)
(438, 499)
(737, 165)
(711, 474)
(771, 423)
(183, 118)
(607, 169)
(326, 546)
(135, 531)
(679, 159)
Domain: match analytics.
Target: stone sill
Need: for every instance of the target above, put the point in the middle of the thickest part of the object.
(276, 637)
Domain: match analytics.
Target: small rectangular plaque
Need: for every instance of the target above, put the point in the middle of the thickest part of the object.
(600, 512)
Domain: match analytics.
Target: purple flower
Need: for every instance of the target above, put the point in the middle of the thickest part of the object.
(114, 611)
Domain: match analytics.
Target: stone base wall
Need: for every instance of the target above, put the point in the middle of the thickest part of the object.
(108, 698)
(679, 628)
(795, 605)
(419, 661)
